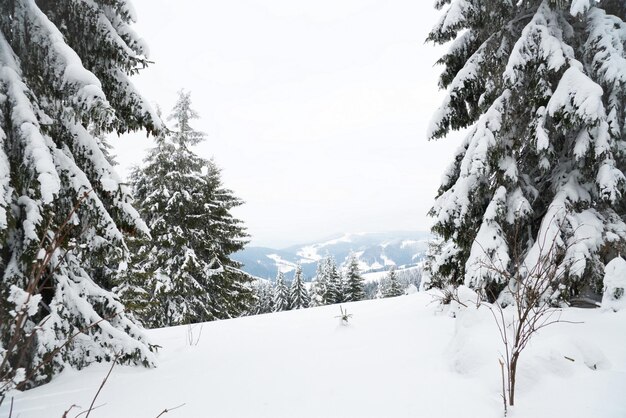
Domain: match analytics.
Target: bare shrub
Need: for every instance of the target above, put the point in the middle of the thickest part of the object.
(528, 290)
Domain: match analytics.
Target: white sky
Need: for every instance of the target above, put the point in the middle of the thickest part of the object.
(315, 109)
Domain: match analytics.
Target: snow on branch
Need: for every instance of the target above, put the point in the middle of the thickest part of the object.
(69, 77)
(606, 46)
(25, 122)
(576, 94)
(452, 20)
(5, 181)
(489, 246)
(542, 37)
(454, 204)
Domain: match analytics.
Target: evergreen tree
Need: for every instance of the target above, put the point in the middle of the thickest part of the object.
(342, 287)
(231, 289)
(391, 285)
(264, 293)
(371, 290)
(333, 292)
(541, 173)
(190, 277)
(299, 297)
(380, 286)
(64, 212)
(354, 283)
(318, 287)
(281, 294)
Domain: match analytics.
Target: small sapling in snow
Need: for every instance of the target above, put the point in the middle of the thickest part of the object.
(345, 316)
(193, 339)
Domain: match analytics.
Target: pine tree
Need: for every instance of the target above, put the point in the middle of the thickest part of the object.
(542, 85)
(232, 288)
(380, 287)
(328, 285)
(298, 295)
(281, 294)
(264, 293)
(333, 292)
(354, 283)
(318, 287)
(64, 212)
(391, 286)
(190, 276)
(342, 288)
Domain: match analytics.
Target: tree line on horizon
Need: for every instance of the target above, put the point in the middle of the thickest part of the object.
(330, 285)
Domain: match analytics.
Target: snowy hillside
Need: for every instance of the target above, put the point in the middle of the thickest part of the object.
(375, 252)
(397, 357)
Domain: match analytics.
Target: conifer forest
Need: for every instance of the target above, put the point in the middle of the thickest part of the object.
(185, 186)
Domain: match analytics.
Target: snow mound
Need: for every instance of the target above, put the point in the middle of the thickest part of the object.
(398, 357)
(614, 285)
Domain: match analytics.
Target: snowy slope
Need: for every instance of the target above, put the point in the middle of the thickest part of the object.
(398, 357)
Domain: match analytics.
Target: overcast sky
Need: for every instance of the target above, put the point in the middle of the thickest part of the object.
(316, 110)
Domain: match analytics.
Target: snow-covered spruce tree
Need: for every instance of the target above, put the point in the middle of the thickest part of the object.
(185, 267)
(64, 75)
(231, 290)
(353, 281)
(298, 294)
(318, 287)
(281, 294)
(333, 291)
(542, 86)
(390, 285)
(264, 293)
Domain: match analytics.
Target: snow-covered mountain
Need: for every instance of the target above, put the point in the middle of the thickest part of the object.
(375, 252)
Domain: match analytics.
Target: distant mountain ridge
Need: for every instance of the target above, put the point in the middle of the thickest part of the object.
(375, 252)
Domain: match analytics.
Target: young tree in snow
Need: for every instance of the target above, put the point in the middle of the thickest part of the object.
(529, 311)
(186, 266)
(354, 283)
(298, 295)
(281, 294)
(390, 286)
(541, 85)
(64, 75)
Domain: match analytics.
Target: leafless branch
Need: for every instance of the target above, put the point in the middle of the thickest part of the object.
(165, 411)
(92, 409)
(67, 411)
(104, 381)
(528, 287)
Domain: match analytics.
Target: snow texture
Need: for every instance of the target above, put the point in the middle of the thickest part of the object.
(579, 7)
(614, 297)
(397, 357)
(489, 251)
(544, 27)
(578, 95)
(24, 301)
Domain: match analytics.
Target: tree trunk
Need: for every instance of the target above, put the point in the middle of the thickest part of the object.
(512, 371)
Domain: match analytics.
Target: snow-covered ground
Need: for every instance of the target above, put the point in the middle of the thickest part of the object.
(399, 357)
